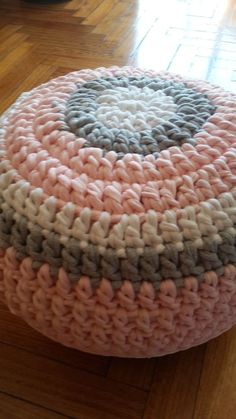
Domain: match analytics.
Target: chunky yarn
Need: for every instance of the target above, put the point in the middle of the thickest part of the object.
(118, 211)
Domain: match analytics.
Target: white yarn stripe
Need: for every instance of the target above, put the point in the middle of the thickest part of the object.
(134, 109)
(193, 223)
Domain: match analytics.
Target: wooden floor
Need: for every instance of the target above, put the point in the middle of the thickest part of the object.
(38, 378)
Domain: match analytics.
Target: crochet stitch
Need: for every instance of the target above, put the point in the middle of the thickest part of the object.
(118, 211)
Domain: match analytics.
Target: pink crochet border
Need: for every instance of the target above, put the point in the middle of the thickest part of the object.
(124, 322)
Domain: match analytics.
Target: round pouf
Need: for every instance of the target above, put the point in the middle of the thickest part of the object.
(118, 211)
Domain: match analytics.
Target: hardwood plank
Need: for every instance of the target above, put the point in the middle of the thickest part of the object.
(55, 29)
(135, 372)
(145, 19)
(216, 397)
(95, 48)
(11, 41)
(24, 15)
(77, 63)
(14, 57)
(114, 19)
(15, 332)
(70, 391)
(8, 30)
(87, 7)
(13, 408)
(99, 13)
(39, 74)
(175, 385)
(74, 4)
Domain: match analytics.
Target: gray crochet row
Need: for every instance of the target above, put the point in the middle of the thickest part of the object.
(149, 266)
(193, 110)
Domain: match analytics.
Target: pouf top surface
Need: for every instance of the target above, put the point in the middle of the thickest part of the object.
(120, 182)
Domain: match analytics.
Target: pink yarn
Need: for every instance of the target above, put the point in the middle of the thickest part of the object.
(54, 160)
(120, 323)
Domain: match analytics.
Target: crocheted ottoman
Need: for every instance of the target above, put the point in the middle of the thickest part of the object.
(118, 211)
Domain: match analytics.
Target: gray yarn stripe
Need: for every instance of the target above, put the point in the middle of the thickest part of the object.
(193, 110)
(149, 266)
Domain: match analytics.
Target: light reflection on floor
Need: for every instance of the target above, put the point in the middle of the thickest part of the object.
(192, 37)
